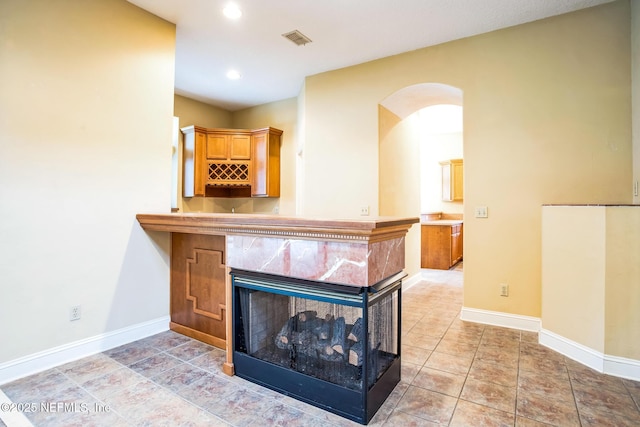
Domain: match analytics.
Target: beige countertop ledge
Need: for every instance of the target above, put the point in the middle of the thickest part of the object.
(440, 218)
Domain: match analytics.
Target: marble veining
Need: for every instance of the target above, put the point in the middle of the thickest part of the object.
(349, 263)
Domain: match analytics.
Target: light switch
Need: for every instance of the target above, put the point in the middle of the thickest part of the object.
(482, 212)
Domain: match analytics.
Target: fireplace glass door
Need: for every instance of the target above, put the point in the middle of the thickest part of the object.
(345, 336)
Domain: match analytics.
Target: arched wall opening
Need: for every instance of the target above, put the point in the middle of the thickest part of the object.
(401, 175)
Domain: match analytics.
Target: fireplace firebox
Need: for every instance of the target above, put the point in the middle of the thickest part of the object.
(334, 346)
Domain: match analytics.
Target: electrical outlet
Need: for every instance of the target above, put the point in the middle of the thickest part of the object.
(74, 313)
(364, 211)
(482, 212)
(504, 290)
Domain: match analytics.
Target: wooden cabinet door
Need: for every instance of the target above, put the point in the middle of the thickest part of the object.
(239, 147)
(217, 146)
(457, 179)
(456, 244)
(452, 180)
(265, 159)
(194, 156)
(436, 246)
(259, 153)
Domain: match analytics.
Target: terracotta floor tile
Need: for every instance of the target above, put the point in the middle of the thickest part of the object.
(428, 405)
(189, 350)
(507, 356)
(490, 394)
(113, 382)
(408, 372)
(597, 418)
(527, 422)
(457, 348)
(90, 367)
(469, 336)
(603, 400)
(592, 379)
(545, 410)
(494, 373)
(471, 414)
(180, 376)
(542, 366)
(402, 419)
(131, 353)
(165, 340)
(453, 373)
(551, 386)
(439, 381)
(156, 364)
(415, 355)
(449, 363)
(415, 339)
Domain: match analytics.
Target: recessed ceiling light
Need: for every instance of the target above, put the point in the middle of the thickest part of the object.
(232, 11)
(233, 74)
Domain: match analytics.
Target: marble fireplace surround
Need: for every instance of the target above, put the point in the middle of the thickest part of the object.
(355, 252)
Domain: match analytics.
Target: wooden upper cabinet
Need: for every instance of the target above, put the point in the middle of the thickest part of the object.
(194, 155)
(452, 180)
(231, 162)
(265, 157)
(226, 145)
(240, 147)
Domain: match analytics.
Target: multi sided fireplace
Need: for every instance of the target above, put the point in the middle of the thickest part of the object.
(334, 346)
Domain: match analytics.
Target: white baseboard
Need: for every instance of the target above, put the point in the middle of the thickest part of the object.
(497, 318)
(411, 281)
(41, 361)
(612, 365)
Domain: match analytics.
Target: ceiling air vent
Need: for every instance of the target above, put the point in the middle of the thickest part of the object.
(297, 37)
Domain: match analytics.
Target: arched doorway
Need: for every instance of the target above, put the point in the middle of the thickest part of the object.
(401, 133)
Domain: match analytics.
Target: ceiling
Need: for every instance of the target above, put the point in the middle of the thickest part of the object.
(342, 33)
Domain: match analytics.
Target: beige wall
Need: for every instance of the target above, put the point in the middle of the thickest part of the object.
(574, 273)
(635, 73)
(85, 138)
(591, 277)
(546, 120)
(400, 186)
(281, 115)
(191, 112)
(622, 298)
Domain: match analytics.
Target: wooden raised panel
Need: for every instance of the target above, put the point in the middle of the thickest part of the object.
(441, 246)
(239, 147)
(204, 280)
(217, 147)
(194, 154)
(259, 178)
(198, 287)
(452, 180)
(265, 155)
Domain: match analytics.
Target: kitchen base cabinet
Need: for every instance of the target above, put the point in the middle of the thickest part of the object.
(441, 243)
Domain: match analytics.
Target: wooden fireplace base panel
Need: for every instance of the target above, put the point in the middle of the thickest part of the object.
(198, 287)
(200, 336)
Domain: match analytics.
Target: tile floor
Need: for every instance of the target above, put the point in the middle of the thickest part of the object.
(454, 373)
